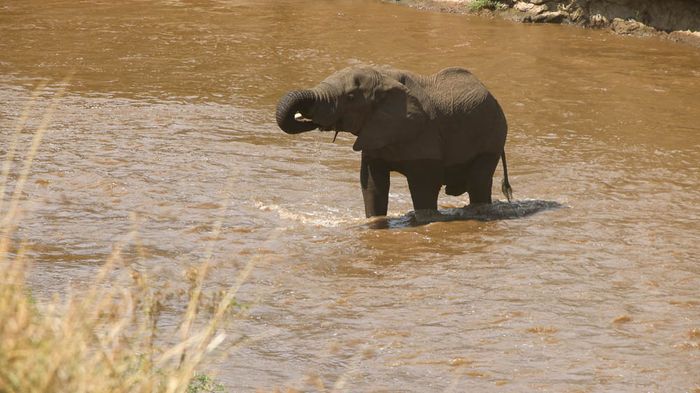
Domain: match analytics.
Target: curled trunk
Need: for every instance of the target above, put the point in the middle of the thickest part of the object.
(294, 102)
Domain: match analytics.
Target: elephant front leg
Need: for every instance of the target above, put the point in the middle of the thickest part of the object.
(374, 178)
(425, 178)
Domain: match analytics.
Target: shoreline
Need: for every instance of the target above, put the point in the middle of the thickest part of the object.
(677, 25)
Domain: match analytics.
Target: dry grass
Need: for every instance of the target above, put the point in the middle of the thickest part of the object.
(100, 338)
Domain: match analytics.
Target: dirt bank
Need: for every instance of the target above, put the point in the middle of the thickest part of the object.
(677, 20)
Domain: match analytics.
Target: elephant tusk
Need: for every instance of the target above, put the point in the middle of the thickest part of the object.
(300, 117)
(335, 136)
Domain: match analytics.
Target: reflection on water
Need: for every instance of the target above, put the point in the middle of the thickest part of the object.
(168, 127)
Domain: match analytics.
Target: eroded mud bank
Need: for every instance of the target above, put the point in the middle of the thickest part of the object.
(677, 20)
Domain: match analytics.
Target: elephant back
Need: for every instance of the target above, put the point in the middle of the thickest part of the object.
(457, 91)
(470, 120)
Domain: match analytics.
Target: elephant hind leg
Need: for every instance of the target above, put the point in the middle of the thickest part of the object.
(456, 182)
(480, 177)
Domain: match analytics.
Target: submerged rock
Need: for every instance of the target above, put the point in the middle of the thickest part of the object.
(500, 210)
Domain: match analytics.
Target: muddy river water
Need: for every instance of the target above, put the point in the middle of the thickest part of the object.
(167, 126)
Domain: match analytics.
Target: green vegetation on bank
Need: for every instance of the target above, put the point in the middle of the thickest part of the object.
(478, 5)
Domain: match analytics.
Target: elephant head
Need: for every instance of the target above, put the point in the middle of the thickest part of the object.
(373, 105)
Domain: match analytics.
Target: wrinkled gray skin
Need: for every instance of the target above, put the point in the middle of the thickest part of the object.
(441, 129)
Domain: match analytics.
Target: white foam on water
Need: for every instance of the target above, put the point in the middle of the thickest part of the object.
(328, 218)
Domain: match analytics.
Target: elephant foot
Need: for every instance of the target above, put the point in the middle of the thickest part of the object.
(425, 216)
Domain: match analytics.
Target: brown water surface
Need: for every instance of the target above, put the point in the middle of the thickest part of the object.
(167, 126)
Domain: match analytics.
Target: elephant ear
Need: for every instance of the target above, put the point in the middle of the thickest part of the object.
(397, 117)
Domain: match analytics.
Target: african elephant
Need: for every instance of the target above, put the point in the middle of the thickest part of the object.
(441, 129)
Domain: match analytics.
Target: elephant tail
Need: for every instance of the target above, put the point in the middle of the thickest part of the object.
(505, 185)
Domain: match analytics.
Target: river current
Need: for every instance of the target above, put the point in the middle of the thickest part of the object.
(167, 126)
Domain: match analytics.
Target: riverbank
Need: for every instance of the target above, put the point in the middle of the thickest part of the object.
(675, 20)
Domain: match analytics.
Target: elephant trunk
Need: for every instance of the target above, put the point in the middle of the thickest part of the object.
(298, 101)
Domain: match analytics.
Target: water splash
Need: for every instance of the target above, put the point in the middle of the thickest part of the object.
(327, 219)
